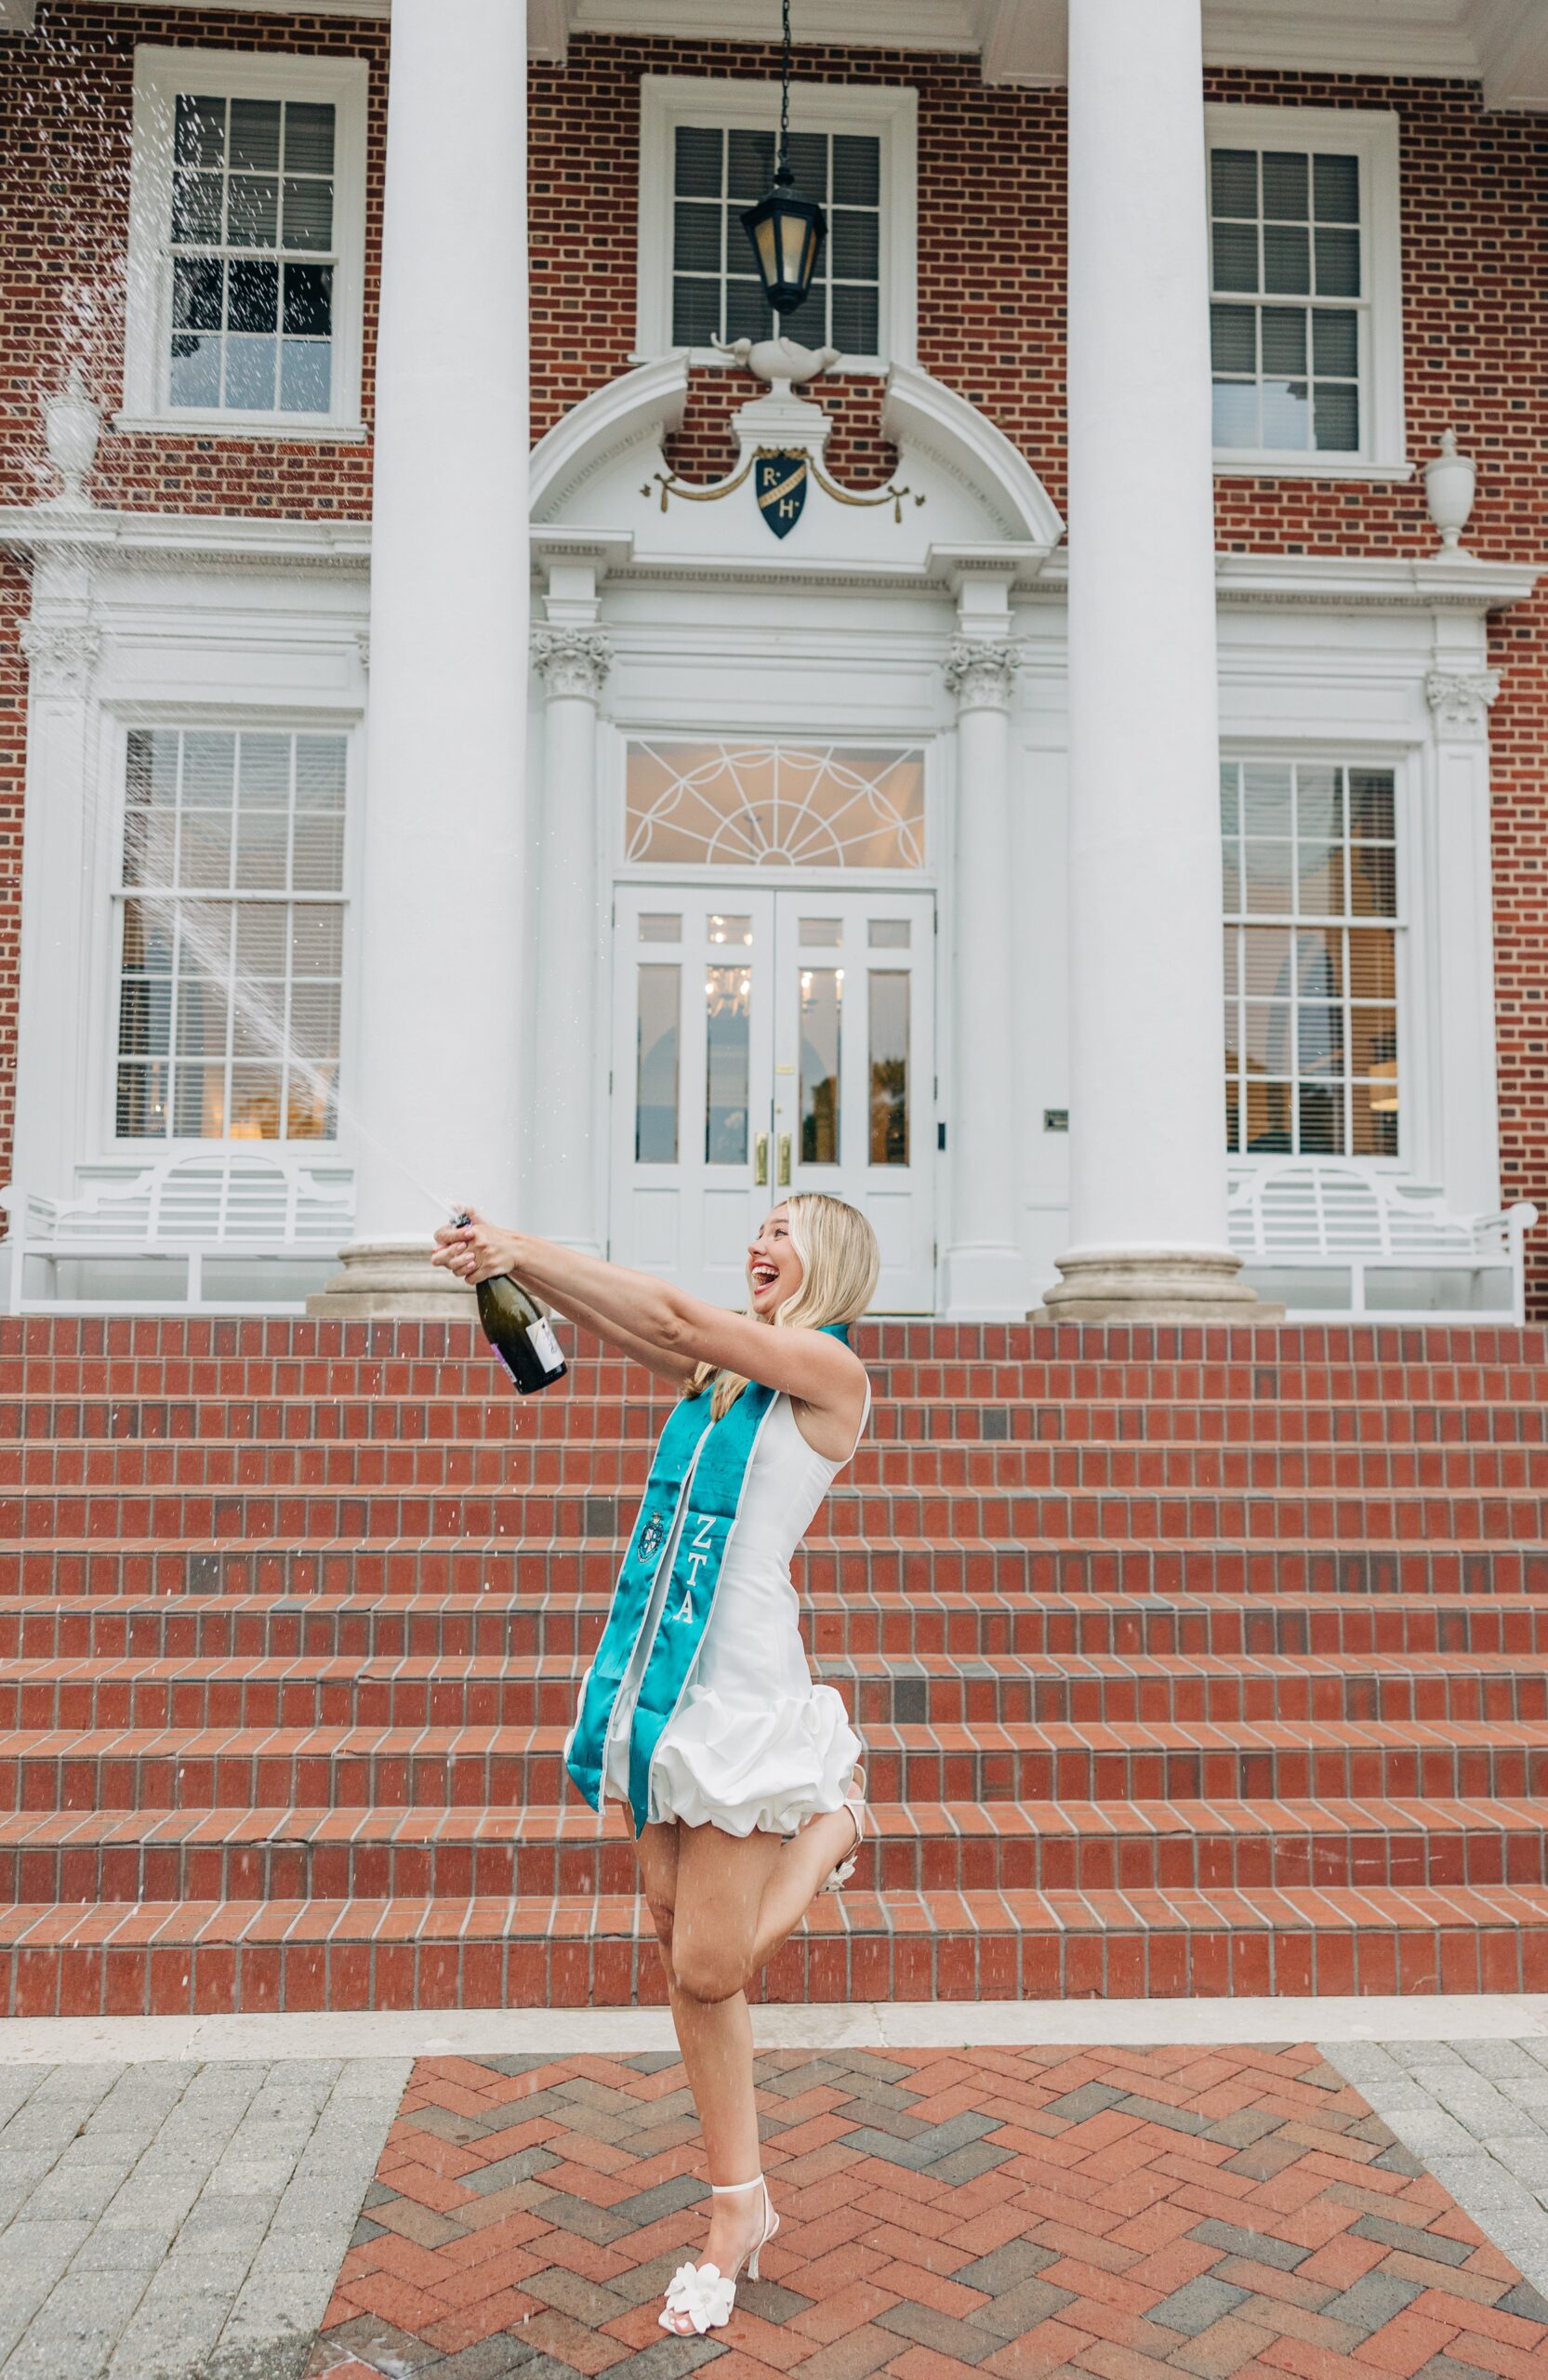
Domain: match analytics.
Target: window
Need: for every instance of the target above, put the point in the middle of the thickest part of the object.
(246, 240)
(231, 941)
(708, 151)
(1312, 1052)
(1304, 315)
(716, 291)
(774, 805)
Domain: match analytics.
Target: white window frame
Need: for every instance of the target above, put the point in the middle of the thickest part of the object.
(1415, 1157)
(161, 75)
(1372, 136)
(889, 112)
(221, 718)
(702, 876)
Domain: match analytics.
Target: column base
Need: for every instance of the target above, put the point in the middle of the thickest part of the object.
(380, 1278)
(1153, 1285)
(985, 1284)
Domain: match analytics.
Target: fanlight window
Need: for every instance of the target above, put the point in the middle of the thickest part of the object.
(775, 805)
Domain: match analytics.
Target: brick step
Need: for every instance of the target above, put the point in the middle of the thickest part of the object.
(434, 1767)
(186, 1957)
(623, 1427)
(214, 1855)
(937, 1691)
(1436, 1517)
(580, 1469)
(383, 1627)
(498, 1563)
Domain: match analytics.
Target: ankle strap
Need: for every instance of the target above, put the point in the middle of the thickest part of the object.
(728, 2190)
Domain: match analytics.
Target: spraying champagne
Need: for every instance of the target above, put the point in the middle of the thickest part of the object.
(519, 1332)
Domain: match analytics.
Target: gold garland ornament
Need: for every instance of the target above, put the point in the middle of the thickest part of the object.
(671, 485)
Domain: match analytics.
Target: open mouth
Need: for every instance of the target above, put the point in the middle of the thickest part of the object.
(763, 1276)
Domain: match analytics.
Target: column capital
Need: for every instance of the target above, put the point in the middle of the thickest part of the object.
(573, 661)
(979, 672)
(61, 655)
(1460, 699)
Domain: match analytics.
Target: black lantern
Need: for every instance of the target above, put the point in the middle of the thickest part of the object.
(786, 230)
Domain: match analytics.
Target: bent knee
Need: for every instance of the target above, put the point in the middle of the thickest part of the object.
(708, 1971)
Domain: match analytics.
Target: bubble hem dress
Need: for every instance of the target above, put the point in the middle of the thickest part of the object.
(754, 1746)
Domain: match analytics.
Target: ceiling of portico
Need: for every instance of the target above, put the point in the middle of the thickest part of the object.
(1503, 44)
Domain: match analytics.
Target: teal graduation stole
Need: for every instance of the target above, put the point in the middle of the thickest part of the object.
(707, 1462)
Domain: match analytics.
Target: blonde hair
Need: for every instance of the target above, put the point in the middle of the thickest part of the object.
(839, 1262)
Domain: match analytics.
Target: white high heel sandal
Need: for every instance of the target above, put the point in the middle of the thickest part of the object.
(702, 2295)
(854, 1802)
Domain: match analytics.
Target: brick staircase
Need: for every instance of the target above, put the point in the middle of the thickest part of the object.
(1187, 1662)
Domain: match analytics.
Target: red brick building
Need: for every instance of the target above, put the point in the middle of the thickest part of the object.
(926, 814)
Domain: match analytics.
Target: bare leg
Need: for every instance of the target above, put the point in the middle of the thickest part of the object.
(803, 1869)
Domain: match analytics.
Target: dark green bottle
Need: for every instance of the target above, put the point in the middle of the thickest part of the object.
(519, 1332)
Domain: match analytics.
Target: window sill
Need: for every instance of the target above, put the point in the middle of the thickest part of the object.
(860, 367)
(1298, 467)
(311, 433)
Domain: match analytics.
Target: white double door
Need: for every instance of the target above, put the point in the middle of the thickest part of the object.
(768, 1042)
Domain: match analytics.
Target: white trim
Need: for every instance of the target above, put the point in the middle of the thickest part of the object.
(891, 111)
(160, 75)
(1372, 136)
(263, 425)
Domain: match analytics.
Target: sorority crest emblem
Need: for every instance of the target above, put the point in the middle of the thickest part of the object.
(780, 480)
(652, 1538)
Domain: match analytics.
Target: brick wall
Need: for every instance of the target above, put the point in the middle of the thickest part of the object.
(991, 323)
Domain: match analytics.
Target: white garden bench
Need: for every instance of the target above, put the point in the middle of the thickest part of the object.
(1321, 1238)
(196, 1230)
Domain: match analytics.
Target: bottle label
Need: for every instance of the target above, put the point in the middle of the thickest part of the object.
(544, 1343)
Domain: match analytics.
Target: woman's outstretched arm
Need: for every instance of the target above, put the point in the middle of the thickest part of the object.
(808, 1365)
(676, 1368)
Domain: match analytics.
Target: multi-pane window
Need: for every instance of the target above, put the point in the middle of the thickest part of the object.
(775, 805)
(1312, 929)
(233, 935)
(1289, 325)
(252, 256)
(715, 292)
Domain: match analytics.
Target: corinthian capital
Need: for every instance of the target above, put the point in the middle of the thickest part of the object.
(1461, 698)
(61, 655)
(573, 661)
(979, 672)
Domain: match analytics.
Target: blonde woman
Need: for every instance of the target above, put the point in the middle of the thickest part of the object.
(698, 1713)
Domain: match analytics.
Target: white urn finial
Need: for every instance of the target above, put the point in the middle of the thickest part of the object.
(71, 425)
(1450, 481)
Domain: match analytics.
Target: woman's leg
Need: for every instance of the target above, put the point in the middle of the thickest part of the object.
(803, 1867)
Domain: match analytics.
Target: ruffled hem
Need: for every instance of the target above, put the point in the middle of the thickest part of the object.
(764, 1770)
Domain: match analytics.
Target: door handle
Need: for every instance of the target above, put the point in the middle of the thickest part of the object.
(785, 1160)
(761, 1157)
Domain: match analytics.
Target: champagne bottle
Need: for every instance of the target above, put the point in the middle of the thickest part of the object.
(519, 1331)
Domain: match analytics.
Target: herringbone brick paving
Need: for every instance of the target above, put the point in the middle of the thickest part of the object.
(1132, 2215)
(1185, 1662)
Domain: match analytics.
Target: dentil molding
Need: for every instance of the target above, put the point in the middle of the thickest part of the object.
(61, 656)
(573, 661)
(979, 672)
(1461, 698)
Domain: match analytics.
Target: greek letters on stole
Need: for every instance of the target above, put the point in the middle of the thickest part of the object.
(707, 1462)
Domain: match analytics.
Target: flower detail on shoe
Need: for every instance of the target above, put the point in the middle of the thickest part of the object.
(702, 2293)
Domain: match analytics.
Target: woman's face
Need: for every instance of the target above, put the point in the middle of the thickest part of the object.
(774, 1268)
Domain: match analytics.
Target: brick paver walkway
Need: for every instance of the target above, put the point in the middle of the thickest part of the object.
(1123, 2213)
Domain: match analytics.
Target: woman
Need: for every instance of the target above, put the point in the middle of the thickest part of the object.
(698, 1713)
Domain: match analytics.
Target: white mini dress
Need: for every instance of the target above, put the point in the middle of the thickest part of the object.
(754, 1745)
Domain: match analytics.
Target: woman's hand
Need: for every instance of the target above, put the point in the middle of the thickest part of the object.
(475, 1250)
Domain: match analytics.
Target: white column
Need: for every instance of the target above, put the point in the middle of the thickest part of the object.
(434, 1104)
(985, 1276)
(1460, 688)
(573, 664)
(1148, 1149)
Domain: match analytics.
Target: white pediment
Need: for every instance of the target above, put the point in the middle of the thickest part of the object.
(960, 483)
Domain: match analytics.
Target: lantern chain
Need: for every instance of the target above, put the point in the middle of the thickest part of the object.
(785, 92)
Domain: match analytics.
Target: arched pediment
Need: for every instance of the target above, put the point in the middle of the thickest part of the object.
(959, 482)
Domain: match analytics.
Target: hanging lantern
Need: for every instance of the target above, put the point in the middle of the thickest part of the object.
(786, 230)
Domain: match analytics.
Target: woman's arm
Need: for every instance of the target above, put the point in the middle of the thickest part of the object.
(809, 1365)
(676, 1368)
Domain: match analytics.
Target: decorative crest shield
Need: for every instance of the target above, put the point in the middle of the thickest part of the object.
(780, 480)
